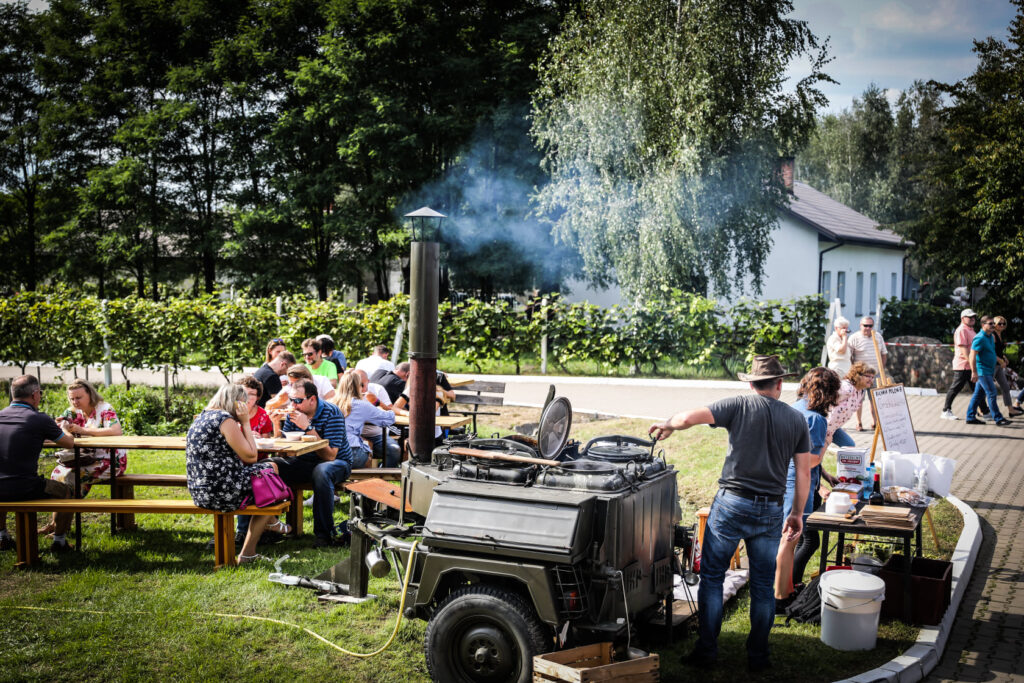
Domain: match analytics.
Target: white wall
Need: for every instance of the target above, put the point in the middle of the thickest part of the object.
(853, 259)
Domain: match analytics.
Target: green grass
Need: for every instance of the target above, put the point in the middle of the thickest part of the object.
(156, 588)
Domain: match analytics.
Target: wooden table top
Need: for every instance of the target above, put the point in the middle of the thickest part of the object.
(460, 380)
(177, 443)
(442, 421)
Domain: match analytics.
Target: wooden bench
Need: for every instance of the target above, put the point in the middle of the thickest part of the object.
(223, 522)
(294, 516)
(478, 394)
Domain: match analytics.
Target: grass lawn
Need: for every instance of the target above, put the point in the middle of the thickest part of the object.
(156, 587)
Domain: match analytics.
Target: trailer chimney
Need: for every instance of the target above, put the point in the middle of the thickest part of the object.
(423, 289)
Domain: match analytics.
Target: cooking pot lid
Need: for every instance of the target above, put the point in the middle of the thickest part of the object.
(555, 423)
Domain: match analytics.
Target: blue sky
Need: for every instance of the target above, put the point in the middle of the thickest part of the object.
(893, 42)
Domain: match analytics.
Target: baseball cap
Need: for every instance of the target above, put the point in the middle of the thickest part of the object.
(327, 337)
(968, 313)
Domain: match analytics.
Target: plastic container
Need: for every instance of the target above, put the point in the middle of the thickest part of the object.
(868, 564)
(850, 605)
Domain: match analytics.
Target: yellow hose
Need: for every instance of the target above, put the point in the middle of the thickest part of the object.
(361, 655)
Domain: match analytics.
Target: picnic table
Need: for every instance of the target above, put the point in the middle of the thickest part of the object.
(161, 443)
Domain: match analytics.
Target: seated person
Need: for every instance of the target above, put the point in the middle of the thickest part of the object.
(393, 381)
(376, 435)
(358, 412)
(300, 373)
(378, 360)
(259, 420)
(332, 354)
(221, 458)
(275, 347)
(23, 429)
(325, 468)
(88, 415)
(401, 407)
(270, 376)
(313, 353)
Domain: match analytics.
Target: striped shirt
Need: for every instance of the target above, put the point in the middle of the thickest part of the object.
(329, 423)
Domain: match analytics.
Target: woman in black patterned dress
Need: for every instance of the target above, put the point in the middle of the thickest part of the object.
(220, 459)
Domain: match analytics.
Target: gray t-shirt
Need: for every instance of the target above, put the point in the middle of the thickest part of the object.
(764, 435)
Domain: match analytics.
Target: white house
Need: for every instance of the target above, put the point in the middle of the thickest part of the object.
(819, 246)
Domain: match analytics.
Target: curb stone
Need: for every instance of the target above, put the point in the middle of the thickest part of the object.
(920, 659)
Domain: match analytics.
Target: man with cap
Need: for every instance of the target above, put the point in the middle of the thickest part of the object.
(331, 353)
(765, 434)
(962, 339)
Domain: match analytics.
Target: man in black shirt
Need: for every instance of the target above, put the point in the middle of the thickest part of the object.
(23, 429)
(764, 436)
(270, 376)
(393, 381)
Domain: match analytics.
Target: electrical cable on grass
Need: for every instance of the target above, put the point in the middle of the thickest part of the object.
(361, 655)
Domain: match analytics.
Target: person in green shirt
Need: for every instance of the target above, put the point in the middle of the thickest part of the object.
(314, 355)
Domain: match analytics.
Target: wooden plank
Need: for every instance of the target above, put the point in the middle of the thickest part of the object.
(379, 491)
(386, 473)
(442, 421)
(479, 400)
(490, 387)
(492, 455)
(127, 505)
(177, 443)
(457, 381)
(147, 480)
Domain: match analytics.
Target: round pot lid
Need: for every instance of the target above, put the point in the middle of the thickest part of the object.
(555, 423)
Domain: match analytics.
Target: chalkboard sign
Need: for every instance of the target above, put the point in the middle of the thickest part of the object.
(894, 419)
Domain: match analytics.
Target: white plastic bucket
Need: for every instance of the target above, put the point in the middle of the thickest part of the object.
(850, 605)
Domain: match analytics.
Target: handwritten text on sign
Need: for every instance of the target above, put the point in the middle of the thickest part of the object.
(894, 418)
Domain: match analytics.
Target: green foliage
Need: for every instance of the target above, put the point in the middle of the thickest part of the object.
(674, 327)
(648, 182)
(919, 319)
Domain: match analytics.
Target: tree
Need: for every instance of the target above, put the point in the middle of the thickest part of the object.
(661, 125)
(23, 168)
(972, 224)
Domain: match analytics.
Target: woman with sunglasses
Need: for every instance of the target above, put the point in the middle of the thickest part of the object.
(1002, 363)
(274, 347)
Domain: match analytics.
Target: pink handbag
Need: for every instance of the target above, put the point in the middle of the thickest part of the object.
(267, 489)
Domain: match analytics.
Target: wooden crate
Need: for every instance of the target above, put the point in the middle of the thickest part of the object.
(593, 663)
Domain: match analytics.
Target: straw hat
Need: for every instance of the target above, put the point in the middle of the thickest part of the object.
(765, 367)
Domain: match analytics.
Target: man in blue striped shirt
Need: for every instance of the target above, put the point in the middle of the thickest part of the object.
(327, 467)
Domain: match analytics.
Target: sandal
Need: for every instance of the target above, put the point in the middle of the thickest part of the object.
(247, 559)
(279, 527)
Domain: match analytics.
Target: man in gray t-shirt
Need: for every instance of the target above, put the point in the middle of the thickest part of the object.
(764, 435)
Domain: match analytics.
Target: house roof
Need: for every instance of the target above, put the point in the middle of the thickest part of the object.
(836, 221)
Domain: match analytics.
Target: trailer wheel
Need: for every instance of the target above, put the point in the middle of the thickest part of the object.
(483, 634)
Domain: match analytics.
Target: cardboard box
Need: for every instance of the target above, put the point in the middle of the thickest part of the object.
(931, 583)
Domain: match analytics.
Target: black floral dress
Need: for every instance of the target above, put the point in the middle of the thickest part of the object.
(217, 478)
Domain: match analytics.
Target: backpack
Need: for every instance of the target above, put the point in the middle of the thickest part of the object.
(806, 608)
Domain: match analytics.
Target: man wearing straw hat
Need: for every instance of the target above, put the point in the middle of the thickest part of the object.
(764, 435)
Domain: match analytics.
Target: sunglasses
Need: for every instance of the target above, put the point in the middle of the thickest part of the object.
(295, 400)
(277, 340)
(309, 354)
(867, 325)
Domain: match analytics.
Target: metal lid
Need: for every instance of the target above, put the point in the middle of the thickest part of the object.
(555, 423)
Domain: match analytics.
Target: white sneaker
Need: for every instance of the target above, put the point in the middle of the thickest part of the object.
(948, 415)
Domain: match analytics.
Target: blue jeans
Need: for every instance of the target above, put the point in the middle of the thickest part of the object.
(759, 524)
(385, 449)
(986, 384)
(325, 475)
(842, 439)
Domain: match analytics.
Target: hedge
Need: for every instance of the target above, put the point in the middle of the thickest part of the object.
(62, 328)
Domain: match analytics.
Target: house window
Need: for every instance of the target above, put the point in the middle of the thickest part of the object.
(859, 294)
(826, 285)
(873, 302)
(841, 287)
(893, 283)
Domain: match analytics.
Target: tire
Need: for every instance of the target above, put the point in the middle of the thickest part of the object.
(483, 634)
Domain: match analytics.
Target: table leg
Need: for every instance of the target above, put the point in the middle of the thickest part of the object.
(224, 540)
(113, 484)
(823, 553)
(28, 539)
(908, 607)
(917, 541)
(78, 494)
(294, 515)
(840, 546)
